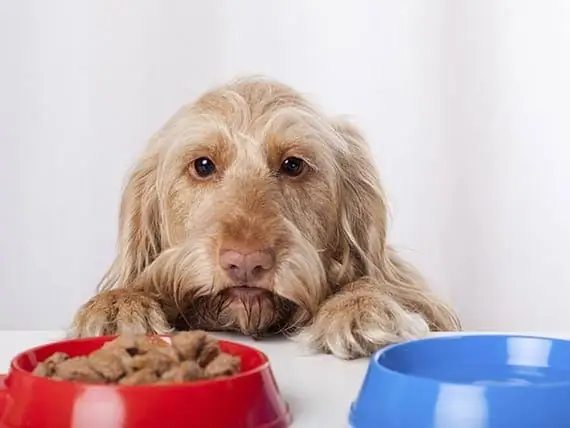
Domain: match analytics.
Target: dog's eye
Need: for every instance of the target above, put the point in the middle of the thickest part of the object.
(293, 167)
(204, 167)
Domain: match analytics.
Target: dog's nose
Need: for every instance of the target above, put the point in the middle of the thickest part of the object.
(245, 268)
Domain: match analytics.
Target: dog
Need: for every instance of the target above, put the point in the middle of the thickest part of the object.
(251, 211)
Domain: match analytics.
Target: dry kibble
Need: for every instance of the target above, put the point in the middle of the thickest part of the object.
(145, 343)
(42, 370)
(126, 359)
(108, 364)
(210, 350)
(140, 377)
(47, 367)
(127, 342)
(136, 344)
(192, 371)
(56, 358)
(157, 342)
(223, 365)
(78, 369)
(184, 372)
(170, 352)
(157, 361)
(188, 344)
(139, 360)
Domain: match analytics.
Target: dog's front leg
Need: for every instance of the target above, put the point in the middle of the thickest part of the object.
(359, 319)
(123, 310)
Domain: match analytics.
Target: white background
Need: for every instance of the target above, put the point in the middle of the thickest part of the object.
(466, 104)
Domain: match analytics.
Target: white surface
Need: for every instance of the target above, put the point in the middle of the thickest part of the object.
(465, 104)
(319, 388)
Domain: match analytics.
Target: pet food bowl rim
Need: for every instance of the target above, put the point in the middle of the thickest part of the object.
(14, 367)
(425, 380)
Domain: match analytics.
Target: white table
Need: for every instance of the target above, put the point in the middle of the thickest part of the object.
(319, 388)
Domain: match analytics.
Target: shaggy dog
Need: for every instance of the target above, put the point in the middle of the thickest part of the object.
(251, 211)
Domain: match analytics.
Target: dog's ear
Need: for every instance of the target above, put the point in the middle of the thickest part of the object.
(361, 235)
(139, 241)
(361, 249)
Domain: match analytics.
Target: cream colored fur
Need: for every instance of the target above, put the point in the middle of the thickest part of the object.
(337, 285)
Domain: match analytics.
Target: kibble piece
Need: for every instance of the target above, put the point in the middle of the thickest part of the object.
(147, 343)
(188, 344)
(170, 352)
(154, 359)
(109, 364)
(209, 351)
(78, 369)
(136, 344)
(223, 365)
(126, 342)
(157, 342)
(121, 353)
(47, 367)
(140, 377)
(139, 360)
(56, 358)
(42, 370)
(185, 371)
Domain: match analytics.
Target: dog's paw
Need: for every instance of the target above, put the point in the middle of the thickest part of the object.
(356, 324)
(118, 312)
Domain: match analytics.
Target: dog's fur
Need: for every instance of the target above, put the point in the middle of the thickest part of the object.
(337, 286)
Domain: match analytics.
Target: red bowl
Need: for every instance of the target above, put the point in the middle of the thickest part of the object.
(250, 399)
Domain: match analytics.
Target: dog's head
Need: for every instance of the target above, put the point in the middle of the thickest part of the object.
(248, 208)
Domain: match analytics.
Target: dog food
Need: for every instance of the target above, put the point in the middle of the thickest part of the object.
(138, 360)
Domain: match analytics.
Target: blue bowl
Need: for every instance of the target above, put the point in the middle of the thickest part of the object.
(467, 381)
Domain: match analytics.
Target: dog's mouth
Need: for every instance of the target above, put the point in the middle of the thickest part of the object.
(253, 311)
(246, 293)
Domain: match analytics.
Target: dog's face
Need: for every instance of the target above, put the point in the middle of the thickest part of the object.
(239, 210)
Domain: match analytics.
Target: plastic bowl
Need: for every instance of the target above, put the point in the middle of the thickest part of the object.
(467, 381)
(250, 399)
